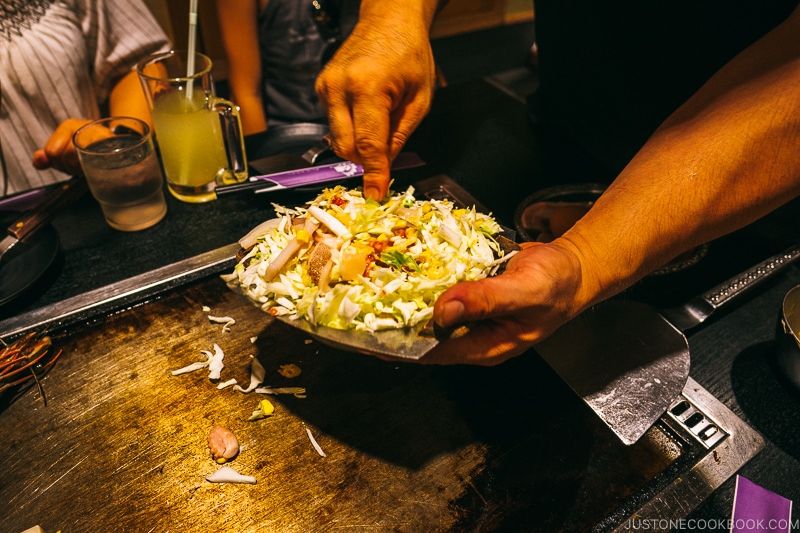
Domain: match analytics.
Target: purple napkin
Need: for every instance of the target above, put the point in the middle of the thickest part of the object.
(756, 509)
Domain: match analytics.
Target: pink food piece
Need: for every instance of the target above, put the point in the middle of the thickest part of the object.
(222, 443)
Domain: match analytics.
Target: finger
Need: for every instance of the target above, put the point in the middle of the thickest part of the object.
(71, 162)
(59, 150)
(527, 285)
(55, 147)
(406, 118)
(40, 160)
(340, 120)
(478, 300)
(371, 122)
(487, 343)
(63, 158)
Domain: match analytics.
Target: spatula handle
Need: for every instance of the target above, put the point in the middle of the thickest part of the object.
(748, 279)
(699, 308)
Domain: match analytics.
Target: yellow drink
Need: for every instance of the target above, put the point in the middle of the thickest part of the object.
(192, 149)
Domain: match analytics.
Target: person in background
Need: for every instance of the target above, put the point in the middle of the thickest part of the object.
(723, 157)
(275, 50)
(63, 64)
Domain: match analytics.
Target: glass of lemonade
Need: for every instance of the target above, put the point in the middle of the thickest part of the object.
(199, 135)
(119, 160)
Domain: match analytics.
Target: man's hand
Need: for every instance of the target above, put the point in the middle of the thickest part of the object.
(509, 313)
(376, 90)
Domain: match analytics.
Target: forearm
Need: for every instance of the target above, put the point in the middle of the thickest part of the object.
(254, 119)
(127, 99)
(237, 19)
(724, 159)
(245, 83)
(418, 13)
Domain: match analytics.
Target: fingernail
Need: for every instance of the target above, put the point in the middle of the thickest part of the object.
(373, 193)
(452, 313)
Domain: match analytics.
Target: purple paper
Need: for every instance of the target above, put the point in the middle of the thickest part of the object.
(24, 201)
(325, 173)
(319, 174)
(756, 509)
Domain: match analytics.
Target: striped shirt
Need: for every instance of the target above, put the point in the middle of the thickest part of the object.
(61, 60)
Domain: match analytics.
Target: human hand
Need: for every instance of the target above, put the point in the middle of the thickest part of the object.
(59, 152)
(376, 90)
(511, 312)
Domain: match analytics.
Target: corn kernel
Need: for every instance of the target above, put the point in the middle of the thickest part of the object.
(302, 236)
(266, 407)
(341, 216)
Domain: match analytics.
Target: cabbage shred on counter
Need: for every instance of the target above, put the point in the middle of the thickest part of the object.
(345, 262)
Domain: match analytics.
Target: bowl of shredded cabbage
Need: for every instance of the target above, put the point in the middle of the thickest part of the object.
(343, 263)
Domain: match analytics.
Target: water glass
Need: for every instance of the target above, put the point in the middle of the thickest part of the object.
(119, 160)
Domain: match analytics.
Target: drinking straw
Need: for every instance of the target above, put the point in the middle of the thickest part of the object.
(192, 46)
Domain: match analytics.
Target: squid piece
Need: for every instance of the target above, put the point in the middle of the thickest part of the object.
(226, 322)
(215, 364)
(291, 249)
(331, 222)
(227, 474)
(252, 236)
(257, 373)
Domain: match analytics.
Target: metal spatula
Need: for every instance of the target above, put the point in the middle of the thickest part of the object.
(284, 162)
(629, 361)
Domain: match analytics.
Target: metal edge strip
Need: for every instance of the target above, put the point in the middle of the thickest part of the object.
(121, 294)
(139, 288)
(688, 490)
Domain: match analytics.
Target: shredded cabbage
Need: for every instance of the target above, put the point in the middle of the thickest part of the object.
(385, 271)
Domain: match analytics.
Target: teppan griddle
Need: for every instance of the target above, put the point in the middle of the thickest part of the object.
(121, 443)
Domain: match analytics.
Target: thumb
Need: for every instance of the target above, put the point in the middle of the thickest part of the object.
(476, 300)
(471, 301)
